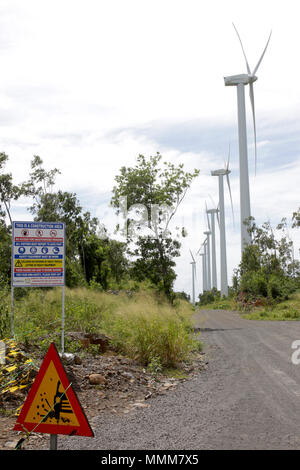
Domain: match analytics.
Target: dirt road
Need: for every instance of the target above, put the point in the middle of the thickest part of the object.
(248, 398)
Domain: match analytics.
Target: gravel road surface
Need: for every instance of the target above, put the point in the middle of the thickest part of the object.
(248, 398)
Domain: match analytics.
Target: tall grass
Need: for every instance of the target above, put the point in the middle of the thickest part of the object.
(149, 330)
(143, 325)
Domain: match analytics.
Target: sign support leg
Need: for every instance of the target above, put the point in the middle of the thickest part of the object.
(63, 322)
(53, 441)
(12, 312)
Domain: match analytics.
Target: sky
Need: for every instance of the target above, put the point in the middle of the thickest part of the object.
(88, 85)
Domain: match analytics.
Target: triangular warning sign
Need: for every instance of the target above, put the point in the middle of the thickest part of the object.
(51, 405)
(18, 264)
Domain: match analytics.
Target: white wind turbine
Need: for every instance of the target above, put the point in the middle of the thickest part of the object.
(211, 225)
(204, 270)
(207, 259)
(223, 255)
(240, 81)
(193, 263)
(203, 273)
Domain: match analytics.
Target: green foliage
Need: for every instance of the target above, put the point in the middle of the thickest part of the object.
(208, 297)
(286, 310)
(155, 366)
(268, 270)
(153, 191)
(143, 325)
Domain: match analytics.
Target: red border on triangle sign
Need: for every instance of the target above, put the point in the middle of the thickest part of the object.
(52, 406)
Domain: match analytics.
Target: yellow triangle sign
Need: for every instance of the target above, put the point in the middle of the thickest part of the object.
(51, 405)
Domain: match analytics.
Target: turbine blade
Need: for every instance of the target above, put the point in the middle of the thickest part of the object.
(218, 210)
(251, 92)
(207, 216)
(192, 256)
(200, 247)
(261, 58)
(213, 202)
(247, 65)
(229, 188)
(228, 159)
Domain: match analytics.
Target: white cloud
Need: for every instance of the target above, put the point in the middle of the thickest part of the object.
(88, 85)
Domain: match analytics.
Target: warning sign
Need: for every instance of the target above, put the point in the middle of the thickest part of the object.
(51, 406)
(38, 263)
(38, 254)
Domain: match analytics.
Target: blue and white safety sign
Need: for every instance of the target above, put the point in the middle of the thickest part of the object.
(38, 254)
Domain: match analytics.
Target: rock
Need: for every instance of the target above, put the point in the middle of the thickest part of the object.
(77, 360)
(141, 405)
(11, 444)
(167, 385)
(128, 375)
(100, 339)
(68, 358)
(97, 379)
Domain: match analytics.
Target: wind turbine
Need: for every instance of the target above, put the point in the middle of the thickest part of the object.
(203, 273)
(204, 270)
(207, 259)
(223, 268)
(193, 263)
(240, 81)
(212, 213)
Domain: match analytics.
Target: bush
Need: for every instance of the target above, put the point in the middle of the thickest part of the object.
(209, 297)
(254, 284)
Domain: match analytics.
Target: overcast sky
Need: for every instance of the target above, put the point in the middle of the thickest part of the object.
(88, 85)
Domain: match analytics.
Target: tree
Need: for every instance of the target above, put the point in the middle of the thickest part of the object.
(89, 257)
(8, 191)
(153, 191)
(267, 269)
(296, 218)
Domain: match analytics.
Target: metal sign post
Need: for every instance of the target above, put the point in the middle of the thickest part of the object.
(63, 322)
(53, 441)
(12, 312)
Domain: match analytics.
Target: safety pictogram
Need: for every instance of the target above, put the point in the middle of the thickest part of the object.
(51, 406)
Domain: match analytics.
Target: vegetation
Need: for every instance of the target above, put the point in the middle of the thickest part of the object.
(141, 324)
(152, 192)
(121, 289)
(268, 272)
(268, 277)
(285, 310)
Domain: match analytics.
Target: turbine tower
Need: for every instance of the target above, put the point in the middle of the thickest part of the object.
(223, 264)
(212, 213)
(204, 270)
(193, 263)
(240, 81)
(203, 273)
(207, 259)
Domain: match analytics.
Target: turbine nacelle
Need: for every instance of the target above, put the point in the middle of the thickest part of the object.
(221, 172)
(243, 78)
(212, 211)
